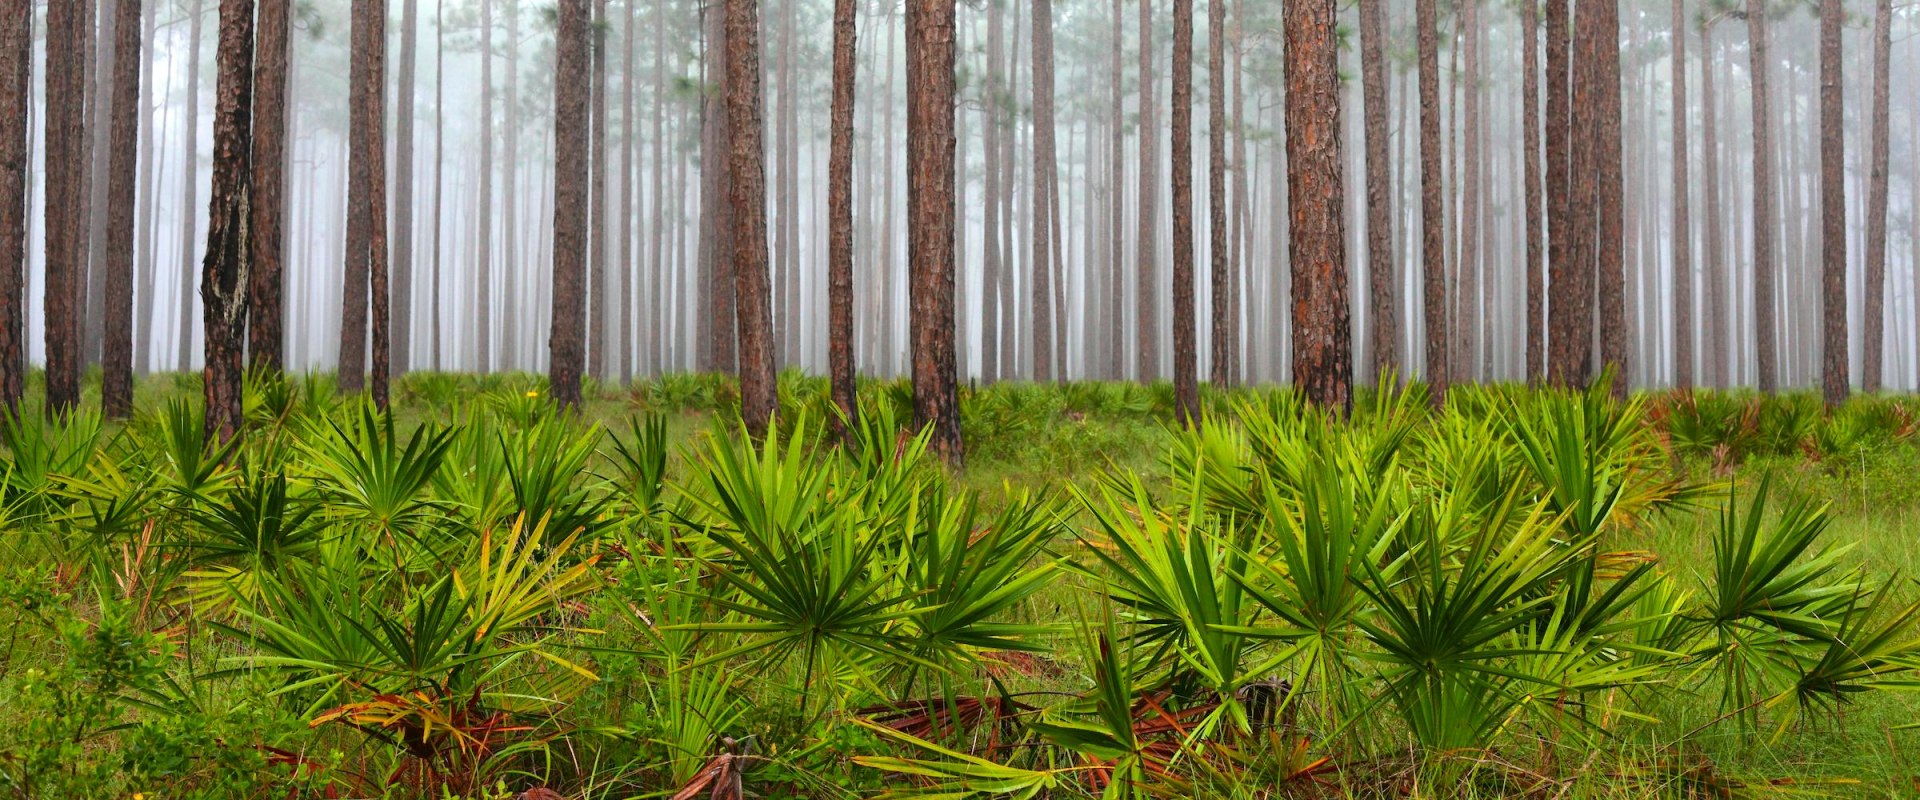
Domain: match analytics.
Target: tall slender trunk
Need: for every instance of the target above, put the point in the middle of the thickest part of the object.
(1683, 325)
(1322, 355)
(1147, 315)
(1044, 189)
(1374, 101)
(266, 307)
(1718, 293)
(403, 189)
(840, 212)
(716, 216)
(1609, 192)
(747, 194)
(625, 253)
(224, 273)
(1186, 390)
(93, 205)
(516, 280)
(16, 100)
(572, 92)
(64, 266)
(439, 174)
(1873, 359)
(658, 272)
(1116, 346)
(930, 177)
(1833, 208)
(1432, 214)
(116, 360)
(1569, 322)
(993, 234)
(1220, 307)
(1530, 133)
(1467, 318)
(482, 273)
(598, 292)
(147, 216)
(1764, 219)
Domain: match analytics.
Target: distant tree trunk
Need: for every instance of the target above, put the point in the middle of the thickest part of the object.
(1683, 325)
(1833, 208)
(1432, 214)
(16, 96)
(1147, 318)
(1380, 269)
(840, 213)
(1718, 358)
(572, 90)
(1873, 360)
(151, 132)
(597, 289)
(661, 270)
(625, 253)
(116, 361)
(439, 172)
(190, 185)
(1221, 305)
(224, 273)
(515, 303)
(1764, 219)
(1530, 131)
(1117, 168)
(1609, 195)
(266, 339)
(65, 190)
(1322, 355)
(403, 249)
(747, 195)
(1467, 317)
(482, 274)
(94, 148)
(930, 176)
(991, 131)
(1045, 187)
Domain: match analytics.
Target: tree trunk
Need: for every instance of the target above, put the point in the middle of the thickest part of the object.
(1322, 356)
(482, 274)
(266, 339)
(747, 195)
(1044, 187)
(1432, 214)
(16, 98)
(65, 265)
(1874, 315)
(1570, 322)
(625, 252)
(1186, 391)
(572, 90)
(1530, 132)
(1221, 305)
(993, 233)
(190, 187)
(1609, 195)
(597, 289)
(116, 360)
(1718, 295)
(1147, 316)
(93, 205)
(1833, 208)
(1466, 323)
(439, 174)
(147, 218)
(930, 175)
(1764, 219)
(716, 218)
(840, 214)
(1683, 325)
(224, 273)
(1374, 101)
(1117, 209)
(365, 94)
(403, 249)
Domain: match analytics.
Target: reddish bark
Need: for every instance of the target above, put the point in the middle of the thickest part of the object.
(840, 212)
(1322, 357)
(116, 360)
(747, 194)
(225, 270)
(930, 178)
(16, 91)
(266, 341)
(571, 94)
(1186, 391)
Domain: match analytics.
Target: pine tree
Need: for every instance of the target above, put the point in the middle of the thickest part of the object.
(930, 177)
(572, 90)
(1322, 355)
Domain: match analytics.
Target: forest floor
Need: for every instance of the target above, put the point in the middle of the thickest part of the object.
(1045, 439)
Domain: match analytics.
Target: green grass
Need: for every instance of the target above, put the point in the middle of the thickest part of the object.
(340, 613)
